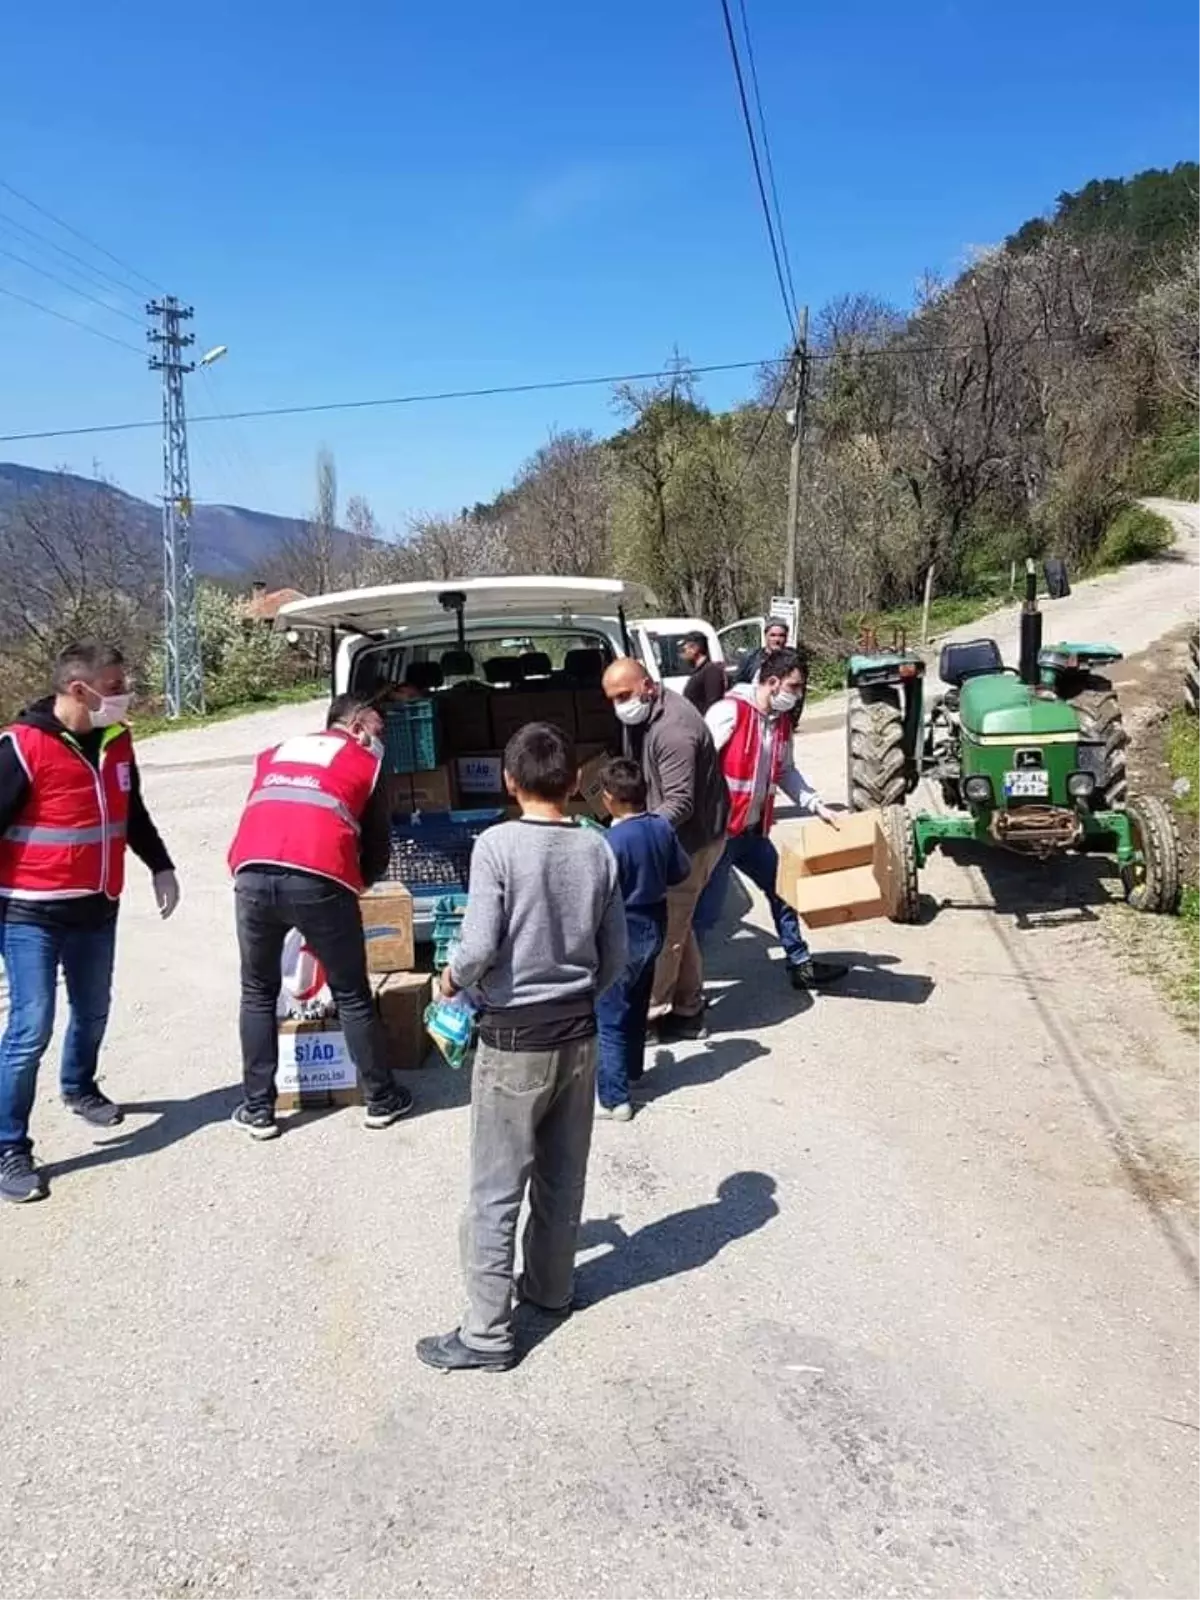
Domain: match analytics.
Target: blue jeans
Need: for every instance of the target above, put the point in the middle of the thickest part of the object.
(621, 1011)
(756, 858)
(32, 956)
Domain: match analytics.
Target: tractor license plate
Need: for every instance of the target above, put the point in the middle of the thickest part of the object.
(1032, 785)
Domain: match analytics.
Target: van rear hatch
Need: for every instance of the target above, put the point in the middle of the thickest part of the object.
(396, 607)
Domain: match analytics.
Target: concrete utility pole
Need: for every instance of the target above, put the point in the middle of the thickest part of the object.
(184, 673)
(796, 423)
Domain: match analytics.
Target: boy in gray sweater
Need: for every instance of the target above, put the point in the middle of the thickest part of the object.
(543, 937)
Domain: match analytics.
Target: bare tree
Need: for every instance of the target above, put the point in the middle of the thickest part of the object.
(313, 559)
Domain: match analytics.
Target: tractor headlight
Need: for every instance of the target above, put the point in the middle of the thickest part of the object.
(978, 789)
(1081, 784)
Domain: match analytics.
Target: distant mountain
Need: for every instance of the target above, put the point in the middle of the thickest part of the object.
(227, 541)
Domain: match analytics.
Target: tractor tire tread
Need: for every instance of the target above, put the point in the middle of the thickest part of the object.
(875, 761)
(1101, 718)
(898, 831)
(1160, 888)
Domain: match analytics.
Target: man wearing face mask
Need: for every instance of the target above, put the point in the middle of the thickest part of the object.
(70, 804)
(752, 729)
(314, 834)
(668, 739)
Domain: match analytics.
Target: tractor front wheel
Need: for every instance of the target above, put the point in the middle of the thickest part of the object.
(1100, 720)
(1154, 884)
(875, 761)
(902, 849)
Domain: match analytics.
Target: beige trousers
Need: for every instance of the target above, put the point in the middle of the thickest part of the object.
(678, 973)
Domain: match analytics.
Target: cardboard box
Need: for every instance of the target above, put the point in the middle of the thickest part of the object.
(479, 778)
(832, 876)
(314, 1068)
(464, 718)
(591, 789)
(431, 791)
(387, 914)
(401, 999)
(512, 710)
(595, 720)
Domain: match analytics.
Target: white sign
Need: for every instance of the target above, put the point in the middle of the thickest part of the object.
(314, 1061)
(784, 610)
(480, 774)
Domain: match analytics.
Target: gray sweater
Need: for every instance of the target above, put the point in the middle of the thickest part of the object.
(545, 920)
(684, 780)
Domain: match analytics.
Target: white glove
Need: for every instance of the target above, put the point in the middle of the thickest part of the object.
(166, 893)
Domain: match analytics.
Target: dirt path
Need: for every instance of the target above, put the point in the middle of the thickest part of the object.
(949, 1347)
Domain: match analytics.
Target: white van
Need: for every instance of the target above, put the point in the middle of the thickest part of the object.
(435, 625)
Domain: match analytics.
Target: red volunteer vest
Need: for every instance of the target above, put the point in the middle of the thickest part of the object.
(305, 807)
(69, 838)
(739, 762)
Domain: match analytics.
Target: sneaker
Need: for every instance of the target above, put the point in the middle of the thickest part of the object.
(812, 974)
(258, 1124)
(447, 1353)
(20, 1180)
(382, 1113)
(621, 1113)
(95, 1108)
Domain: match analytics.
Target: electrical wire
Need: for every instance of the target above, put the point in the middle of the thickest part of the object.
(766, 421)
(363, 405)
(96, 275)
(75, 323)
(780, 276)
(78, 234)
(45, 272)
(767, 162)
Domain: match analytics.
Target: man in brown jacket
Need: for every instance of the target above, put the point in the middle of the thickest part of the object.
(672, 745)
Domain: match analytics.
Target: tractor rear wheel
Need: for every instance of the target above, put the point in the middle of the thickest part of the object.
(1100, 720)
(1155, 884)
(1191, 678)
(875, 761)
(902, 848)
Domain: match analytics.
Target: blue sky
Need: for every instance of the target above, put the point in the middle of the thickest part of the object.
(381, 198)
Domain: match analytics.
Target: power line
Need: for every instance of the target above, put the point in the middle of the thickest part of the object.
(96, 273)
(780, 277)
(769, 164)
(45, 272)
(77, 233)
(364, 405)
(75, 323)
(766, 421)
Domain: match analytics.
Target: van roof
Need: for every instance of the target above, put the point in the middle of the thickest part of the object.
(393, 606)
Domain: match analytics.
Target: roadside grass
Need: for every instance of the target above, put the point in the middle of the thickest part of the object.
(1183, 757)
(146, 727)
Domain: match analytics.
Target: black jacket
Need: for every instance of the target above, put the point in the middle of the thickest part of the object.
(142, 836)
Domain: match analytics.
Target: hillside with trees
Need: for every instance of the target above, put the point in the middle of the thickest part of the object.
(1016, 409)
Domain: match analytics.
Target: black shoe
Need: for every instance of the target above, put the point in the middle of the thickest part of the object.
(673, 1026)
(258, 1124)
(812, 974)
(95, 1108)
(448, 1353)
(552, 1313)
(20, 1180)
(382, 1113)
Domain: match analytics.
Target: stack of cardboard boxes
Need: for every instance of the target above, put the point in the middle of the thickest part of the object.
(314, 1065)
(833, 875)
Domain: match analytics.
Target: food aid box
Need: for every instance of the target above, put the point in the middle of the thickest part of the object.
(591, 786)
(834, 875)
(595, 720)
(430, 791)
(314, 1068)
(400, 999)
(387, 915)
(513, 709)
(479, 778)
(464, 719)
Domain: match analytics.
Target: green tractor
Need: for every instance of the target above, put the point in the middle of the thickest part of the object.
(1032, 760)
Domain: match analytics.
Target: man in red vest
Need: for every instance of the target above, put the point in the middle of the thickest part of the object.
(314, 833)
(752, 730)
(70, 803)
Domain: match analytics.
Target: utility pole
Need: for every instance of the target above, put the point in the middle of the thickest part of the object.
(184, 676)
(796, 423)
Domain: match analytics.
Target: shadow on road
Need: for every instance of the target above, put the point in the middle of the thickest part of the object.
(682, 1242)
(667, 1073)
(1066, 889)
(173, 1120)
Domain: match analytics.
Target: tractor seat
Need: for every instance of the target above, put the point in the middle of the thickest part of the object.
(977, 658)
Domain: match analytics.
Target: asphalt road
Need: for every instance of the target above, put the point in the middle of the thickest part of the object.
(884, 1295)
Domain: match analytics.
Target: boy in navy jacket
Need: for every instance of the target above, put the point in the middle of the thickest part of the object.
(650, 860)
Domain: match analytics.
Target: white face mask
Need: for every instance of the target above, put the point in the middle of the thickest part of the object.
(783, 701)
(113, 708)
(632, 712)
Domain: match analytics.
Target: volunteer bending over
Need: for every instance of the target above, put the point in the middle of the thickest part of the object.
(314, 833)
(752, 730)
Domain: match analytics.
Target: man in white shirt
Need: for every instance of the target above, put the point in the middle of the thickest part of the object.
(752, 730)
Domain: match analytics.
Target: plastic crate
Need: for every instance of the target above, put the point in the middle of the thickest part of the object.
(448, 915)
(431, 851)
(410, 737)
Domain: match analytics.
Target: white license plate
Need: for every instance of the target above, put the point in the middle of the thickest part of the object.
(1033, 785)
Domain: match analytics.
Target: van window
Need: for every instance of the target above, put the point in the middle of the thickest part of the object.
(666, 648)
(495, 658)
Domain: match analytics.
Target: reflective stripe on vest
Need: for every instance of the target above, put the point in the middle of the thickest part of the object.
(108, 830)
(305, 797)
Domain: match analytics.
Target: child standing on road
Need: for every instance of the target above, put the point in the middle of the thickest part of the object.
(543, 937)
(650, 861)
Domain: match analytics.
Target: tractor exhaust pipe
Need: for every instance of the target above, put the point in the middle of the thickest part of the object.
(1031, 628)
